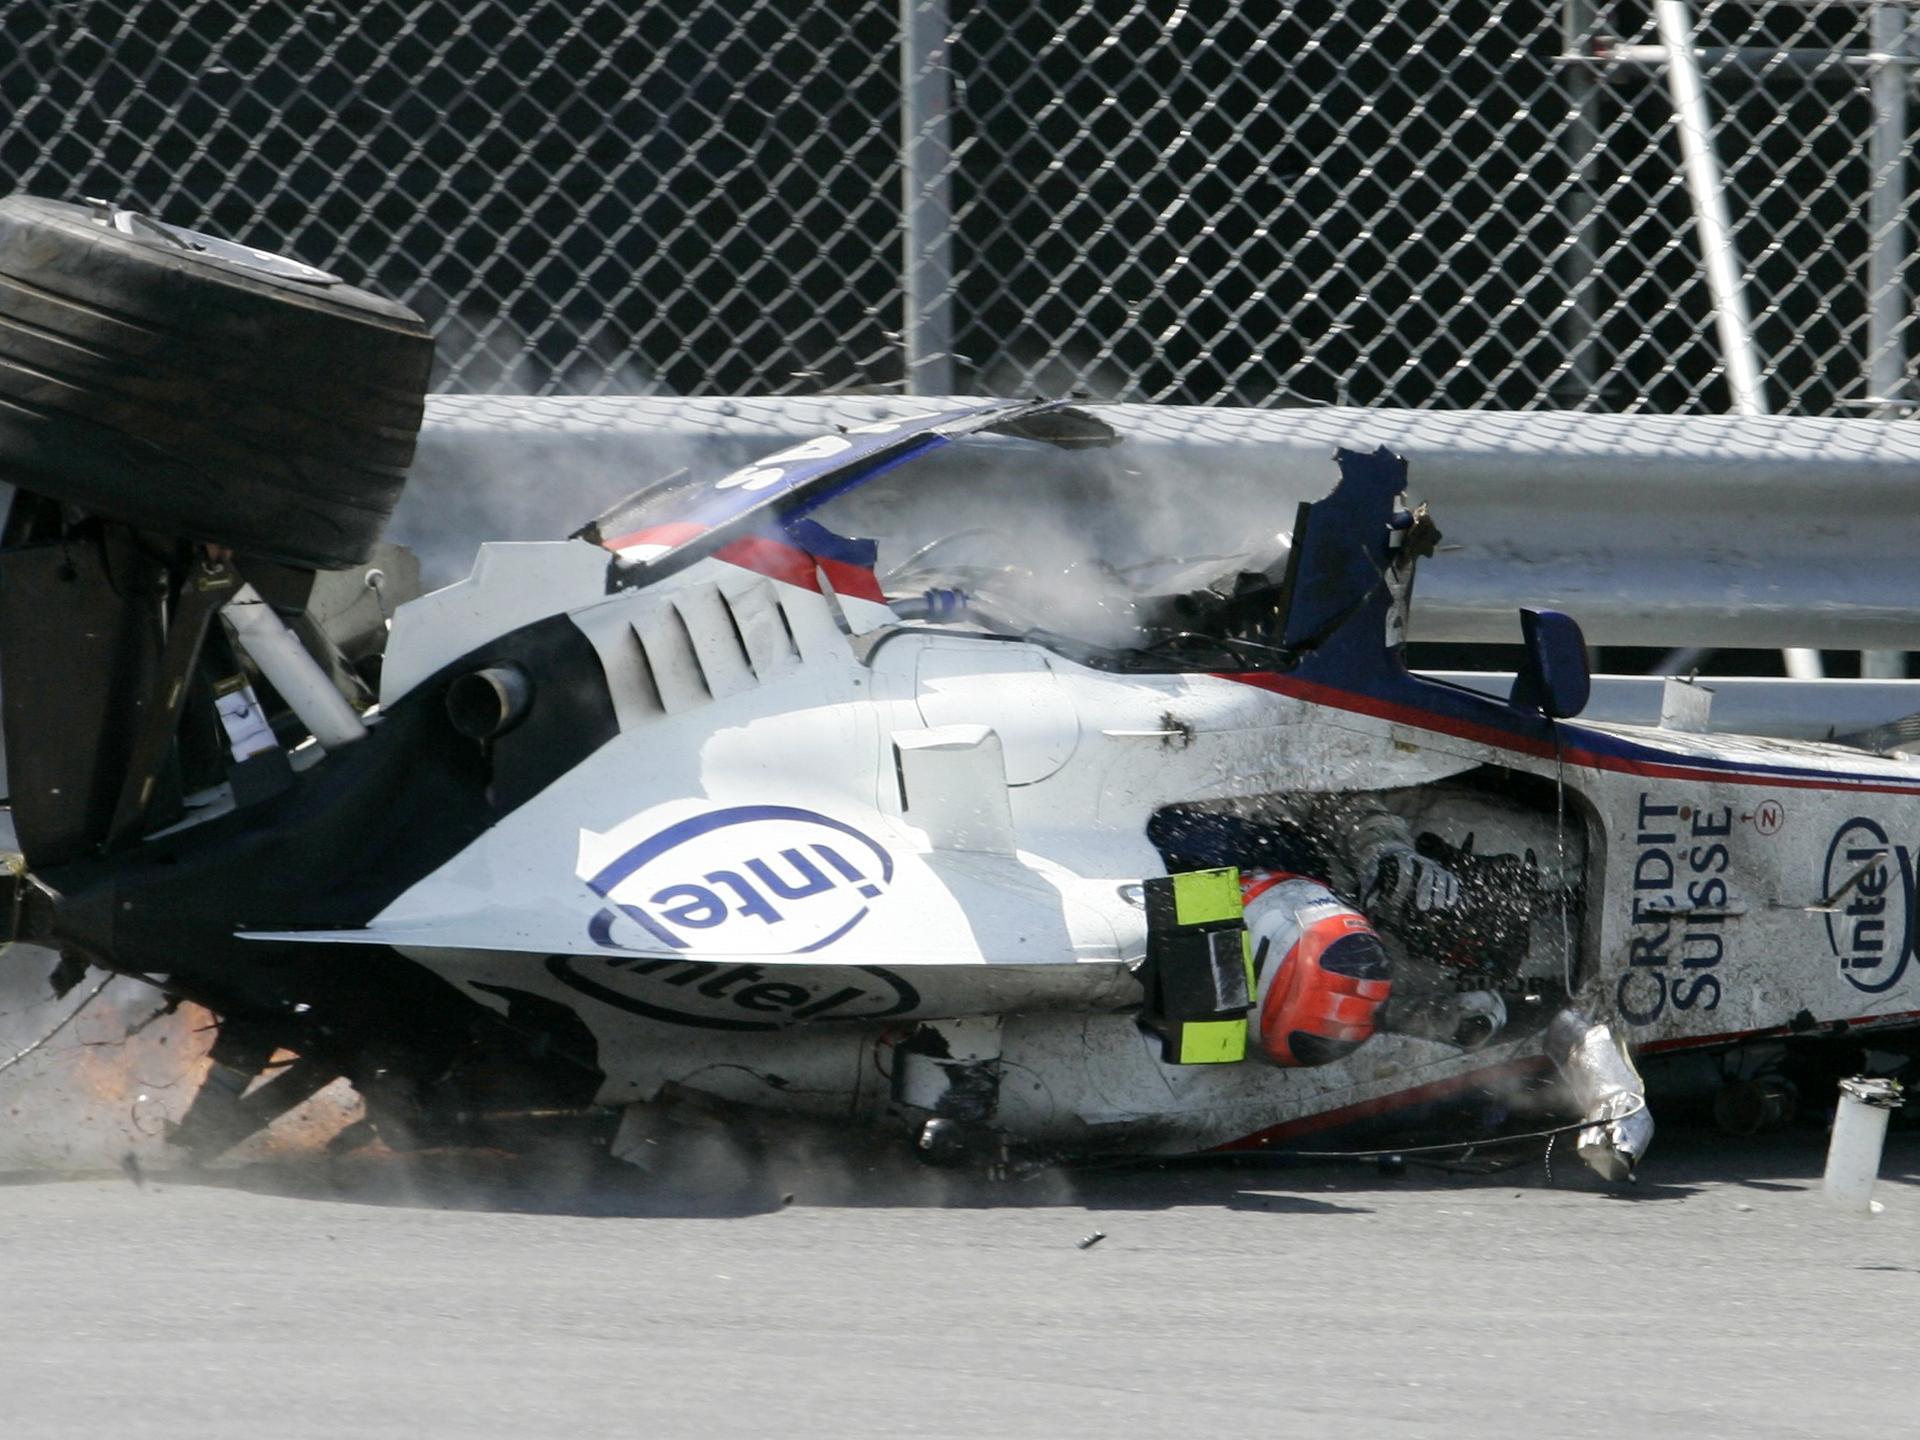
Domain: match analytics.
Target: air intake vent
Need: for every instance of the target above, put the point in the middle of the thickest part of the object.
(697, 644)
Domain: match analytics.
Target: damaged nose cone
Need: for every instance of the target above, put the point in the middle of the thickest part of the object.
(1609, 1091)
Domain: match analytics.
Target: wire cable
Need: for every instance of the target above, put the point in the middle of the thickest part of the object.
(72, 1015)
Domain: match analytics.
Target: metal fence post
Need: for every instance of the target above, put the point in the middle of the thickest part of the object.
(1718, 252)
(1708, 189)
(1887, 249)
(926, 196)
(1580, 262)
(1887, 316)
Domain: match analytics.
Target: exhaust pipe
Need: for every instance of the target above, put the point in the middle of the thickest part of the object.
(308, 690)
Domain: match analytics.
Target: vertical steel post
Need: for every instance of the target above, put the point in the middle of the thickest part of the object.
(1886, 213)
(1710, 218)
(926, 196)
(1717, 250)
(1580, 261)
(1887, 389)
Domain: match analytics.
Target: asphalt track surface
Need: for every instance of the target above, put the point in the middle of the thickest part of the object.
(472, 1295)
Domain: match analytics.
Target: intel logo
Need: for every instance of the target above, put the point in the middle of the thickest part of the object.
(1868, 885)
(747, 880)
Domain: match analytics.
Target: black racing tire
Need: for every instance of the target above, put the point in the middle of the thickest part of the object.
(187, 385)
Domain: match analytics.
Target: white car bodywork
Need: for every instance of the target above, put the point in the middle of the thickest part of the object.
(821, 832)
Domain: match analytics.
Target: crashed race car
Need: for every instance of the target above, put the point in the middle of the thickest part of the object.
(949, 779)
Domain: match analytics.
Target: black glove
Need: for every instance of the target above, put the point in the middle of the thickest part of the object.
(1407, 887)
(1471, 913)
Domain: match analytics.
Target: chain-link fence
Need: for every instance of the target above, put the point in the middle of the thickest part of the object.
(1512, 203)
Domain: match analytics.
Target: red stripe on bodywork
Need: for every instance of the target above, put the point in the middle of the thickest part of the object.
(775, 559)
(1317, 694)
(1519, 1068)
(855, 580)
(1823, 1029)
(677, 533)
(771, 558)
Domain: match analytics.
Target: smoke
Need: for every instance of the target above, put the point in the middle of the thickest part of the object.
(1067, 541)
(536, 467)
(539, 468)
(742, 1162)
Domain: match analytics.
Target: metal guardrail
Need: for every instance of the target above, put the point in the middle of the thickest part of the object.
(1650, 530)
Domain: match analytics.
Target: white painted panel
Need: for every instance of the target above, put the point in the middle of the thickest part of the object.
(955, 783)
(756, 610)
(1009, 688)
(511, 586)
(629, 679)
(717, 644)
(671, 657)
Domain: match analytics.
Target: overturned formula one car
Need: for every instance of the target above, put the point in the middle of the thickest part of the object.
(948, 778)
